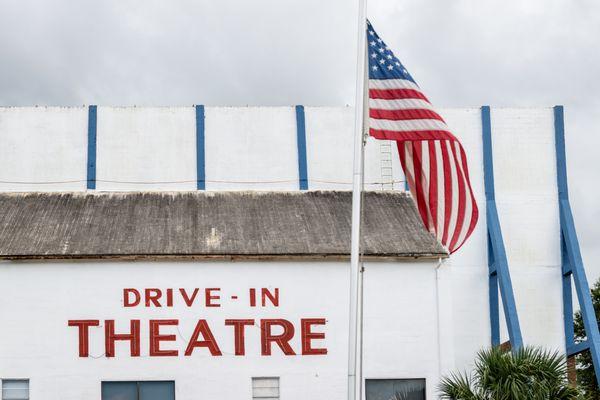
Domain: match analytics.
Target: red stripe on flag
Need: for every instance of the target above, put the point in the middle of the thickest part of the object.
(396, 94)
(411, 135)
(433, 184)
(404, 115)
(447, 191)
(402, 153)
(474, 209)
(460, 217)
(419, 193)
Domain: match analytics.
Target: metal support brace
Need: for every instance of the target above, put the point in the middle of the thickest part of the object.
(572, 263)
(499, 274)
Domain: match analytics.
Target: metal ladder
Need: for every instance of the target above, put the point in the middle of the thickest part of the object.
(387, 174)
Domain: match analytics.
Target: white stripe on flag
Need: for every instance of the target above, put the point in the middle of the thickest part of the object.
(409, 164)
(392, 84)
(440, 189)
(425, 179)
(411, 125)
(404, 104)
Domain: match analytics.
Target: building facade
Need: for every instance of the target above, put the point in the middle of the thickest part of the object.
(198, 252)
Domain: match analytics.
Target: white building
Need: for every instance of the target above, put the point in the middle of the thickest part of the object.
(161, 253)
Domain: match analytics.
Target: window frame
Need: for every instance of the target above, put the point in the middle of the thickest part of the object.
(2, 380)
(137, 385)
(252, 378)
(394, 378)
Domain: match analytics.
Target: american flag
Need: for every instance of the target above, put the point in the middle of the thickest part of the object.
(433, 160)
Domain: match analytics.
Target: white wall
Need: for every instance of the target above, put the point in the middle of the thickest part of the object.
(251, 148)
(400, 330)
(154, 148)
(155, 145)
(526, 194)
(43, 148)
(246, 145)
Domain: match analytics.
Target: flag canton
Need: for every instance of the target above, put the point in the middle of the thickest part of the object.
(383, 64)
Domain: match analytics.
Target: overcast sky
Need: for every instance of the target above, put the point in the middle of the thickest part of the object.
(282, 52)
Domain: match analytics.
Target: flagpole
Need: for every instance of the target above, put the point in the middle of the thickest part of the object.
(355, 320)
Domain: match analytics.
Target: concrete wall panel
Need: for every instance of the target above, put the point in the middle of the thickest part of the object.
(253, 148)
(43, 148)
(400, 330)
(527, 199)
(146, 148)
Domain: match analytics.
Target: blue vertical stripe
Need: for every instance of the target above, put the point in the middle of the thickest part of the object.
(301, 134)
(200, 149)
(91, 151)
(561, 161)
(499, 273)
(488, 162)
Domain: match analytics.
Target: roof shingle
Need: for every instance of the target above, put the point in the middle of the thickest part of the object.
(208, 224)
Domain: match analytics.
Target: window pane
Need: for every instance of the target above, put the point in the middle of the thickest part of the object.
(15, 389)
(119, 391)
(265, 388)
(395, 389)
(157, 390)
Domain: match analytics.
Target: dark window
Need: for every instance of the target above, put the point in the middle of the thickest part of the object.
(144, 390)
(15, 389)
(395, 389)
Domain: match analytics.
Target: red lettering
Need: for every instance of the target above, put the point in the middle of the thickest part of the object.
(110, 337)
(208, 342)
(308, 335)
(189, 301)
(156, 338)
(169, 297)
(273, 298)
(238, 331)
(84, 328)
(281, 340)
(252, 297)
(152, 296)
(208, 297)
(127, 302)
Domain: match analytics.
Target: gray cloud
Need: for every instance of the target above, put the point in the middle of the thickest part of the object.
(274, 52)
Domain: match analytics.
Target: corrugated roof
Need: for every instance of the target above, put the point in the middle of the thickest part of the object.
(208, 224)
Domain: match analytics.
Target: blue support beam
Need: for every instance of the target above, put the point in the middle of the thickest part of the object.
(572, 263)
(200, 149)
(301, 137)
(91, 147)
(499, 274)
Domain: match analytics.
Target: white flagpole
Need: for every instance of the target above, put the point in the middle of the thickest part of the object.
(355, 336)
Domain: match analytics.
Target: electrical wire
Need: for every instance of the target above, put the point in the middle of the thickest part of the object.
(266, 182)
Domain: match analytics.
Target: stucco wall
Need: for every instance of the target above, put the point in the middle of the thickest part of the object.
(400, 326)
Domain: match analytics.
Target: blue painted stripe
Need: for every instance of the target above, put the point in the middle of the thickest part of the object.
(572, 263)
(567, 292)
(499, 273)
(494, 309)
(488, 161)
(301, 135)
(200, 149)
(561, 159)
(91, 150)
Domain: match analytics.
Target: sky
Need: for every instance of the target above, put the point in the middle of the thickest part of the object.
(281, 52)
